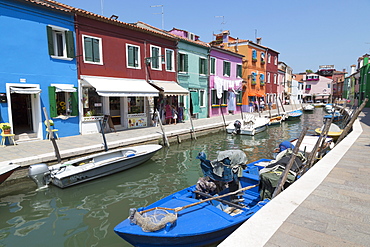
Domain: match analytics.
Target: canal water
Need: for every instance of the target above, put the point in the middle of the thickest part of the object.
(85, 214)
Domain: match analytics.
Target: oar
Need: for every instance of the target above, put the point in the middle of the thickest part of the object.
(197, 203)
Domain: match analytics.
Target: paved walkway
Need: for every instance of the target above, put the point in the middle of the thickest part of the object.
(328, 206)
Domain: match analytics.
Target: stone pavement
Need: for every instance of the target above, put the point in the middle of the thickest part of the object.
(328, 206)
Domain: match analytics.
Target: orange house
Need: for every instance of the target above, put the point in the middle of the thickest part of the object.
(254, 68)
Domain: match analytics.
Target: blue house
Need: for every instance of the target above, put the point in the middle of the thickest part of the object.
(38, 68)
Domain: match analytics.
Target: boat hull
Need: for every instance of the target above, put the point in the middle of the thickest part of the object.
(105, 164)
(6, 171)
(294, 115)
(198, 225)
(249, 129)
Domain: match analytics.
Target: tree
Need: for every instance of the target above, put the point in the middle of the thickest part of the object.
(309, 71)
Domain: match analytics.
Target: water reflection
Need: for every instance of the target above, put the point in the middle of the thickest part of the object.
(85, 215)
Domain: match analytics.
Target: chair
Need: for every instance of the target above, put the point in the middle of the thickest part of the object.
(54, 131)
(4, 136)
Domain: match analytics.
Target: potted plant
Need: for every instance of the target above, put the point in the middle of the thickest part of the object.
(6, 129)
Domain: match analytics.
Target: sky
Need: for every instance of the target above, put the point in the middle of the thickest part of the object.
(307, 34)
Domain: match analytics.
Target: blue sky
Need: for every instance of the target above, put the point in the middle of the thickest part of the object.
(306, 33)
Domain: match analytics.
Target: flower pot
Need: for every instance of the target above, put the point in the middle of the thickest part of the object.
(6, 132)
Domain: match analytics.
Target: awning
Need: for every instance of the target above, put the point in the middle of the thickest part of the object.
(69, 88)
(169, 88)
(25, 90)
(120, 87)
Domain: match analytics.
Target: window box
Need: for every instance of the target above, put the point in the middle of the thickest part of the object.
(253, 83)
(262, 83)
(263, 62)
(254, 60)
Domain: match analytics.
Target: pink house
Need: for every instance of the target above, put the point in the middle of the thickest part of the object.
(225, 82)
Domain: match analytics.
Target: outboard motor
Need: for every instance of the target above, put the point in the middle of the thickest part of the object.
(237, 125)
(40, 174)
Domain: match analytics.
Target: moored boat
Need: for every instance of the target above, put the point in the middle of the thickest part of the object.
(199, 219)
(334, 131)
(6, 171)
(293, 115)
(90, 167)
(308, 108)
(276, 120)
(251, 125)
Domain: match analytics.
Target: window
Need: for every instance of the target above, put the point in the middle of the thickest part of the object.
(92, 49)
(239, 71)
(63, 100)
(214, 99)
(268, 77)
(133, 56)
(239, 97)
(275, 60)
(262, 57)
(202, 99)
(60, 43)
(275, 79)
(269, 58)
(170, 60)
(254, 75)
(202, 66)
(213, 65)
(262, 79)
(92, 102)
(135, 105)
(224, 98)
(155, 54)
(254, 55)
(226, 68)
(183, 63)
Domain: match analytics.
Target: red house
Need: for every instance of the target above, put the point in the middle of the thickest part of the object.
(119, 65)
(272, 82)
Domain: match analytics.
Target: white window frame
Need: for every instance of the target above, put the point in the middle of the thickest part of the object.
(100, 49)
(205, 65)
(269, 58)
(182, 70)
(268, 77)
(55, 42)
(241, 70)
(275, 79)
(223, 68)
(203, 97)
(172, 60)
(138, 57)
(158, 58)
(275, 60)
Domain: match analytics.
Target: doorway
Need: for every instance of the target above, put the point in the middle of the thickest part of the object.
(22, 113)
(115, 110)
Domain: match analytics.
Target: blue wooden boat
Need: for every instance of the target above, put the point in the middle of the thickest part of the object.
(202, 224)
(293, 115)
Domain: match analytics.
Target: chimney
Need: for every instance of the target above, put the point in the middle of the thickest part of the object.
(258, 41)
(353, 69)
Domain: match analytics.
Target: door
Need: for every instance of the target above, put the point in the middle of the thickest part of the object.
(22, 113)
(115, 110)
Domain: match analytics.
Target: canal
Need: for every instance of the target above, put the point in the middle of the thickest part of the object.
(85, 215)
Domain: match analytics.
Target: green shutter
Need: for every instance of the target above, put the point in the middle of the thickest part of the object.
(52, 102)
(205, 67)
(195, 101)
(88, 49)
(74, 98)
(49, 31)
(96, 48)
(70, 44)
(200, 66)
(186, 66)
(178, 62)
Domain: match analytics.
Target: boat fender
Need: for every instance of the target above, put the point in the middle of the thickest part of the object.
(130, 155)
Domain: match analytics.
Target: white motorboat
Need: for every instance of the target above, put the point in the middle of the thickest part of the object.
(251, 125)
(6, 171)
(308, 107)
(92, 166)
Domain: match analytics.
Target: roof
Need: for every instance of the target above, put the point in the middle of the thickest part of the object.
(81, 12)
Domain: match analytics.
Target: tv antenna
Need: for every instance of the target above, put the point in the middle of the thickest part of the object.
(162, 13)
(223, 20)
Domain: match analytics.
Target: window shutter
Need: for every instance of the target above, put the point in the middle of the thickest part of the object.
(74, 102)
(49, 31)
(200, 66)
(96, 53)
(88, 49)
(186, 66)
(70, 44)
(205, 67)
(52, 102)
